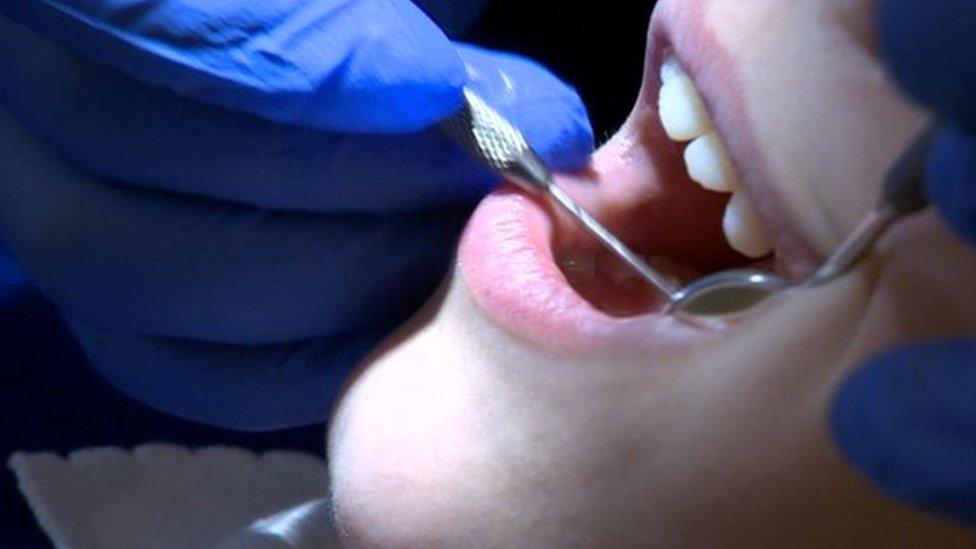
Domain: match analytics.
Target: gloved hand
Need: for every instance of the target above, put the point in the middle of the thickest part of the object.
(232, 202)
(907, 419)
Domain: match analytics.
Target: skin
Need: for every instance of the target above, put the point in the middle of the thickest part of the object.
(464, 430)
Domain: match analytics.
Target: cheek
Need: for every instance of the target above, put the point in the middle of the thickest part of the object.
(925, 289)
(397, 445)
(821, 108)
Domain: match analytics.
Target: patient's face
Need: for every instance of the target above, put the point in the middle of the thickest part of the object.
(542, 401)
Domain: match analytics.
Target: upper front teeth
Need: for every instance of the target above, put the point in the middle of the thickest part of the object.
(685, 118)
(743, 229)
(683, 112)
(709, 164)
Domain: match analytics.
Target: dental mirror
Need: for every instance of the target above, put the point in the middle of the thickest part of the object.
(729, 292)
(726, 292)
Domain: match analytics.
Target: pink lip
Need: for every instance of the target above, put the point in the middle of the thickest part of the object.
(506, 258)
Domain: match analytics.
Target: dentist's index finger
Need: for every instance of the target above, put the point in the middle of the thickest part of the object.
(951, 180)
(363, 66)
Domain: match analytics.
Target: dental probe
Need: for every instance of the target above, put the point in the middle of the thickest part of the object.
(498, 144)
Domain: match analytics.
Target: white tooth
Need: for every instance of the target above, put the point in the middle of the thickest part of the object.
(709, 164)
(743, 229)
(669, 69)
(681, 108)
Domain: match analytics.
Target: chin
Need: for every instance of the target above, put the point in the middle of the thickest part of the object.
(541, 399)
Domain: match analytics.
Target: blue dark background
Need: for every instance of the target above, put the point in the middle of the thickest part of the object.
(51, 400)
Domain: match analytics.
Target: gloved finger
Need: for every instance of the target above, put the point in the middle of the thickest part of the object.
(364, 66)
(951, 180)
(145, 261)
(907, 420)
(249, 388)
(123, 130)
(929, 48)
(12, 279)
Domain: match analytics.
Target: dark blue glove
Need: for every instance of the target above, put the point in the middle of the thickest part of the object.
(453, 16)
(231, 201)
(907, 419)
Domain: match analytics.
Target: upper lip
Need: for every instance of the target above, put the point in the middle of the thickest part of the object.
(505, 256)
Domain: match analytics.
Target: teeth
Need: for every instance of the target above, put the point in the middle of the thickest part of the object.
(685, 118)
(709, 164)
(743, 229)
(670, 69)
(680, 106)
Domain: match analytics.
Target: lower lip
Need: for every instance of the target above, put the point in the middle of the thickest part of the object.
(506, 262)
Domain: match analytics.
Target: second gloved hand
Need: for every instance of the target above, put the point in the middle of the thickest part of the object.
(231, 202)
(907, 418)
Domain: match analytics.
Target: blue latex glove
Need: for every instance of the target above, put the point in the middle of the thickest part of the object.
(231, 202)
(908, 418)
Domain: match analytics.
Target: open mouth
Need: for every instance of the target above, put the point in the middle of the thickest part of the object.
(666, 184)
(696, 219)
